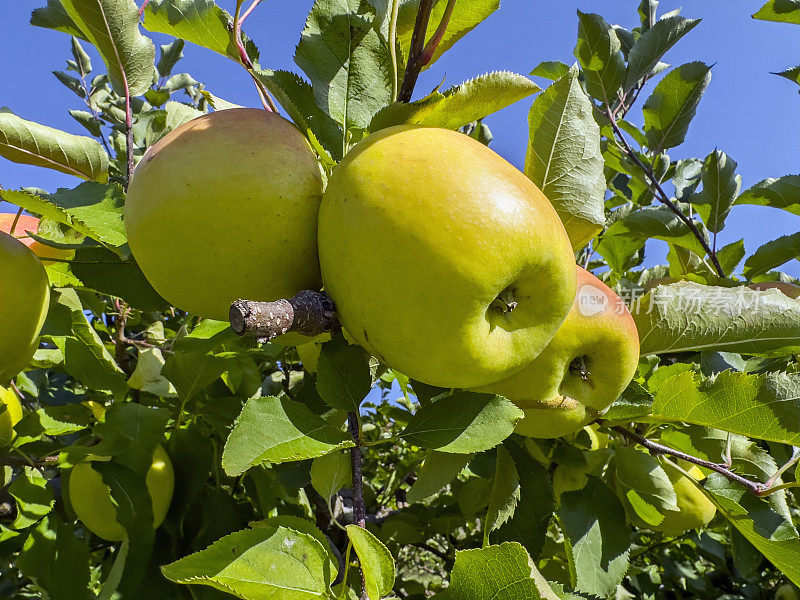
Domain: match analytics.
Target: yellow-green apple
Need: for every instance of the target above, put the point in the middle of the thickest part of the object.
(584, 368)
(10, 416)
(225, 207)
(27, 223)
(24, 300)
(92, 503)
(444, 261)
(789, 289)
(695, 510)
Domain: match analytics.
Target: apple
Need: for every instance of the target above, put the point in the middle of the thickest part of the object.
(24, 300)
(91, 498)
(444, 261)
(787, 592)
(789, 289)
(225, 207)
(27, 223)
(568, 478)
(695, 510)
(584, 368)
(10, 416)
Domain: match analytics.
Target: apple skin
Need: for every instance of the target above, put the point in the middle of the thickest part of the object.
(225, 207)
(10, 416)
(28, 223)
(556, 398)
(24, 301)
(420, 231)
(789, 289)
(91, 498)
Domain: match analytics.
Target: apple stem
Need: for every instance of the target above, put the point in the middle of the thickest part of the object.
(308, 312)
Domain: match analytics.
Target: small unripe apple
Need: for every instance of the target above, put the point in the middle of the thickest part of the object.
(225, 207)
(10, 416)
(24, 301)
(444, 261)
(91, 498)
(27, 223)
(584, 368)
(789, 289)
(568, 478)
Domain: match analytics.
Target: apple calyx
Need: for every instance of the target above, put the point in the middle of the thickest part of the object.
(579, 367)
(505, 301)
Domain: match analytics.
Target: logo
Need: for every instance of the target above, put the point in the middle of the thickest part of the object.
(591, 300)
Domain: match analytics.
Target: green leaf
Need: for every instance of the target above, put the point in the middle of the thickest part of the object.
(278, 430)
(644, 483)
(439, 469)
(772, 254)
(113, 27)
(598, 52)
(345, 58)
(653, 44)
(192, 372)
(467, 14)
(721, 186)
(330, 473)
(730, 255)
(53, 16)
(462, 104)
(593, 522)
(34, 497)
(265, 562)
(760, 406)
(343, 375)
(377, 563)
(781, 11)
(783, 193)
(792, 74)
(564, 158)
(504, 496)
(687, 316)
(29, 143)
(463, 423)
(634, 403)
(550, 69)
(56, 560)
(673, 104)
(130, 433)
(170, 55)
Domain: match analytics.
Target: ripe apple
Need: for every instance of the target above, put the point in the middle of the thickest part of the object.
(225, 207)
(586, 366)
(27, 223)
(10, 416)
(91, 498)
(444, 261)
(695, 510)
(24, 300)
(789, 289)
(787, 592)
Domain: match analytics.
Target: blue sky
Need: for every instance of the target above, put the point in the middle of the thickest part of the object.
(747, 112)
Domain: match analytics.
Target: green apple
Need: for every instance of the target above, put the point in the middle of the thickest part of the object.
(789, 289)
(91, 498)
(10, 416)
(586, 366)
(225, 207)
(24, 300)
(787, 592)
(444, 261)
(568, 478)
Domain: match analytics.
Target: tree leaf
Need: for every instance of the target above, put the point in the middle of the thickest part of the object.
(644, 484)
(504, 496)
(653, 44)
(763, 406)
(330, 473)
(345, 58)
(343, 375)
(29, 143)
(278, 430)
(598, 52)
(564, 158)
(783, 193)
(377, 563)
(634, 403)
(721, 186)
(772, 254)
(439, 469)
(730, 255)
(192, 372)
(781, 11)
(463, 423)
(550, 69)
(467, 14)
(672, 105)
(113, 27)
(266, 562)
(461, 104)
(593, 522)
(34, 498)
(53, 16)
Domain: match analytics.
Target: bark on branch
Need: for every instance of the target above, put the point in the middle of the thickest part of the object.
(308, 312)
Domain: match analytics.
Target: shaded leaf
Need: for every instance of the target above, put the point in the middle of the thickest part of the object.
(54, 16)
(598, 52)
(772, 254)
(439, 469)
(721, 186)
(343, 375)
(376, 562)
(782, 11)
(200, 22)
(653, 44)
(783, 193)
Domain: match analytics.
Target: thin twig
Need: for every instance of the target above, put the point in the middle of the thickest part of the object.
(248, 11)
(393, 45)
(755, 487)
(21, 396)
(128, 132)
(14, 223)
(435, 551)
(14, 461)
(359, 510)
(417, 46)
(266, 99)
(659, 193)
(438, 35)
(141, 10)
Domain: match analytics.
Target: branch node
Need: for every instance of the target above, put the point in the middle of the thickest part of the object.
(309, 313)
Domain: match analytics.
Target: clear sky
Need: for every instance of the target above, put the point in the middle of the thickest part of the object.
(747, 112)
